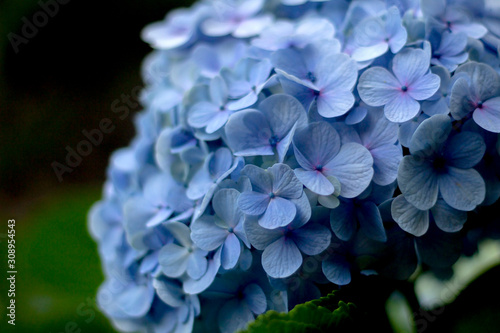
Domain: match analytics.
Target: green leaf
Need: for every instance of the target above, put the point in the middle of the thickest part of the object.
(320, 315)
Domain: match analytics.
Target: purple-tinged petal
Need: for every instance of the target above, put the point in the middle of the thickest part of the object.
(488, 117)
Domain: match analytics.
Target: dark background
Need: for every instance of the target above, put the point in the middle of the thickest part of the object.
(62, 80)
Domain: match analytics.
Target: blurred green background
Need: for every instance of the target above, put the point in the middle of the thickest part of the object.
(62, 81)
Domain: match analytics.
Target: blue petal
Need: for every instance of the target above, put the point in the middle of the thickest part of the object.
(225, 205)
(259, 236)
(386, 160)
(255, 298)
(337, 270)
(401, 108)
(424, 87)
(173, 260)
(334, 101)
(408, 217)
(136, 301)
(312, 239)
(282, 112)
(285, 184)
(488, 117)
(316, 145)
(161, 216)
(370, 221)
(169, 291)
(430, 135)
(193, 287)
(410, 65)
(339, 70)
(353, 168)
(279, 213)
(418, 182)
(230, 252)
(234, 316)
(315, 181)
(465, 150)
(253, 203)
(462, 189)
(282, 258)
(343, 221)
(377, 86)
(197, 264)
(180, 231)
(261, 180)
(248, 133)
(206, 234)
(447, 218)
(304, 211)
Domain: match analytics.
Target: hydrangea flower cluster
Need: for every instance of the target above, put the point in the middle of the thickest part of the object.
(288, 144)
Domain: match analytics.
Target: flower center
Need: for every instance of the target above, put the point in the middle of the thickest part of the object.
(439, 164)
(272, 195)
(480, 104)
(311, 77)
(404, 88)
(273, 141)
(319, 167)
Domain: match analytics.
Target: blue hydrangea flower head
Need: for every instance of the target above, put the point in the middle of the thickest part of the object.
(285, 147)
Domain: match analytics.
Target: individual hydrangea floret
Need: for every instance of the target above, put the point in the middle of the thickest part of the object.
(441, 162)
(268, 130)
(223, 230)
(375, 35)
(477, 92)
(400, 93)
(320, 154)
(272, 196)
